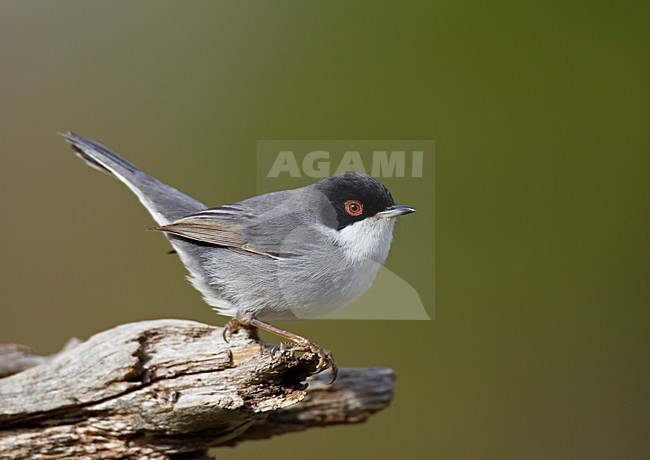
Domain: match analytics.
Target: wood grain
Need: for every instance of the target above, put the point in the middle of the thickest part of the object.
(168, 388)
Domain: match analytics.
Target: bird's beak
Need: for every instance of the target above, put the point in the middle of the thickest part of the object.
(396, 210)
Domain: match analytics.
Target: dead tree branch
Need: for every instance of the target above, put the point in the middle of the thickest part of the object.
(166, 388)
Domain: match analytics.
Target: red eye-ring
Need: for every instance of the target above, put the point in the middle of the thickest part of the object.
(353, 207)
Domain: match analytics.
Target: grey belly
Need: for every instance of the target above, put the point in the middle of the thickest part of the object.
(291, 289)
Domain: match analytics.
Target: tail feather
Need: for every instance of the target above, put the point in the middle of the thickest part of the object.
(163, 202)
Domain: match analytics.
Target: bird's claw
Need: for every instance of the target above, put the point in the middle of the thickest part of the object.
(325, 357)
(277, 348)
(229, 329)
(235, 325)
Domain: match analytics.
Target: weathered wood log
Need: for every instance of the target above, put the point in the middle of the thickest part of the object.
(168, 388)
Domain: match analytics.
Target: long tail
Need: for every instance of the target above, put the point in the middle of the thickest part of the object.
(163, 202)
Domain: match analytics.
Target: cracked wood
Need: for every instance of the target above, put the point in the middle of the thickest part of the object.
(159, 389)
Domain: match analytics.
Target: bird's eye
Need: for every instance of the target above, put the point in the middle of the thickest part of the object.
(353, 207)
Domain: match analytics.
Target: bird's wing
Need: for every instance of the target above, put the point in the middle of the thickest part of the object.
(238, 228)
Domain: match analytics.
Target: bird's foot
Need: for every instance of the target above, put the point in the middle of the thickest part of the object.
(234, 325)
(325, 357)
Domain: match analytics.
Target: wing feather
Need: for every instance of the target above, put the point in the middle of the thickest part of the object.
(206, 231)
(220, 233)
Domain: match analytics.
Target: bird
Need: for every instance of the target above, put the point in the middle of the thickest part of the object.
(294, 254)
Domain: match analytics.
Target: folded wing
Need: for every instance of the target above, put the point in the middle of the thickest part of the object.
(230, 227)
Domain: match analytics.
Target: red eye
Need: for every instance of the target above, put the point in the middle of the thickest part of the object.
(353, 207)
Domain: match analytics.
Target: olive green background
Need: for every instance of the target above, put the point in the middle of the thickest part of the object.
(540, 114)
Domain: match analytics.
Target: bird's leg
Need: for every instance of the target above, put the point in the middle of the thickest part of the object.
(297, 342)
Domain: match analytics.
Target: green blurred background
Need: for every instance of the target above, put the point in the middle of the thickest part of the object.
(540, 346)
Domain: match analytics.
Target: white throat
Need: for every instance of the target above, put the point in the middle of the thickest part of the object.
(368, 239)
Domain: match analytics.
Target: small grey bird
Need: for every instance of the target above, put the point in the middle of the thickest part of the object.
(288, 255)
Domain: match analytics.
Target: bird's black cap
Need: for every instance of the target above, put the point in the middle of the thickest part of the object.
(355, 197)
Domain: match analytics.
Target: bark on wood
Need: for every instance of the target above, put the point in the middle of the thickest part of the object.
(168, 388)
